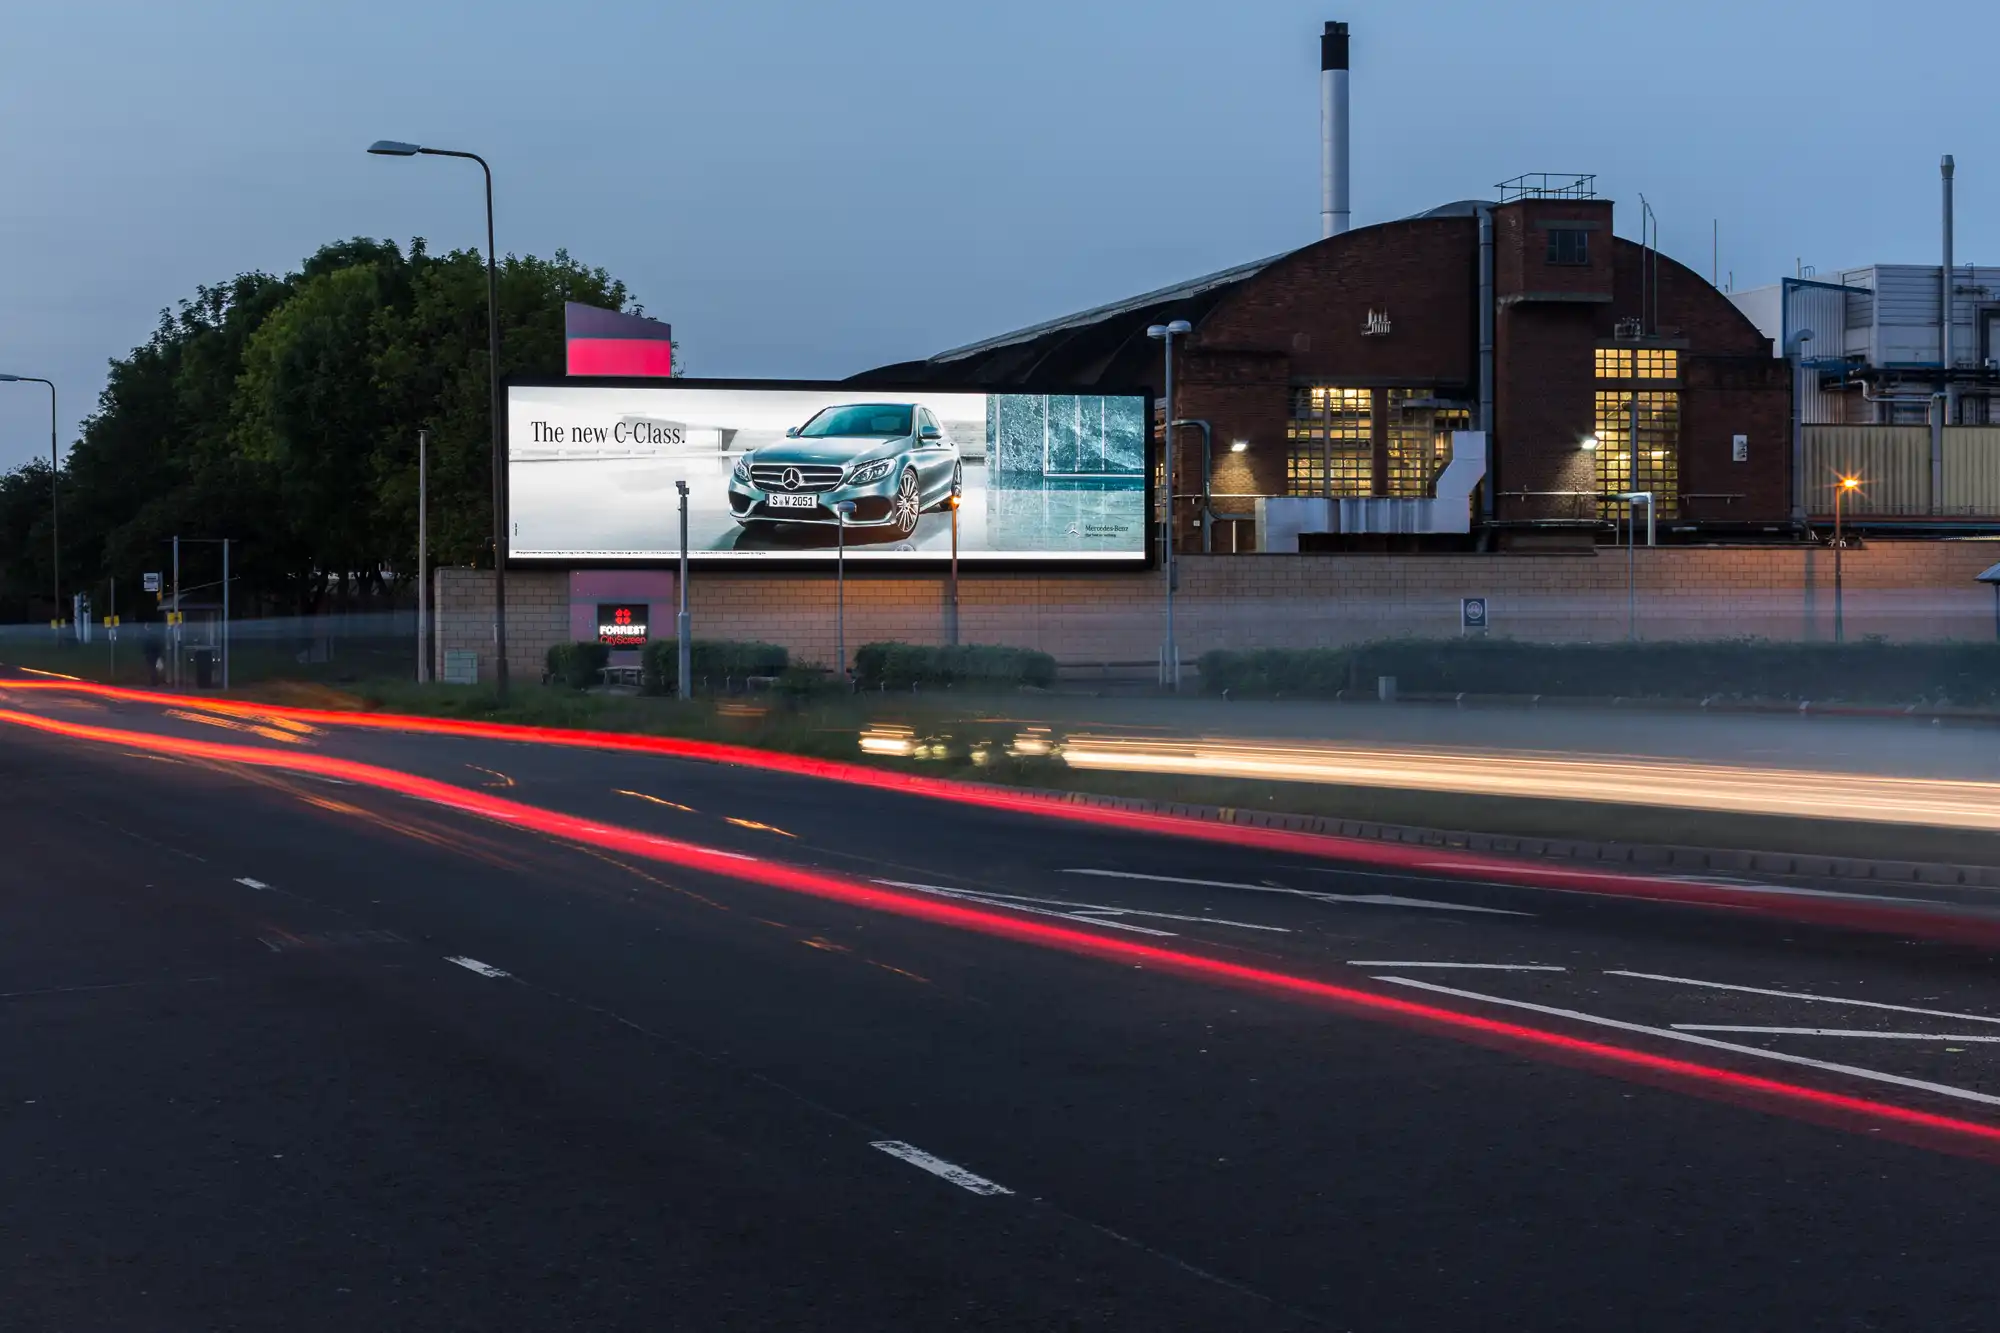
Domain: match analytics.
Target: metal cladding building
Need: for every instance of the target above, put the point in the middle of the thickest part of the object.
(1477, 374)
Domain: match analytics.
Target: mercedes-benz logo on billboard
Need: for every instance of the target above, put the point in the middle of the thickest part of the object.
(792, 480)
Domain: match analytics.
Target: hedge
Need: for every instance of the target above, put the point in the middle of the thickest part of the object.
(716, 661)
(901, 665)
(577, 664)
(1871, 671)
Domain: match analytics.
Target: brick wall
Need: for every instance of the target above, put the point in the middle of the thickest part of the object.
(1901, 590)
(1300, 322)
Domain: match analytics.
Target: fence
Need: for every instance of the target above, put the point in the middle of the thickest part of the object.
(341, 647)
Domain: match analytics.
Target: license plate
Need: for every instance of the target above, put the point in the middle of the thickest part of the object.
(793, 501)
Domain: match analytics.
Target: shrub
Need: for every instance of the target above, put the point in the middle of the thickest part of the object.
(716, 661)
(577, 664)
(1866, 672)
(988, 665)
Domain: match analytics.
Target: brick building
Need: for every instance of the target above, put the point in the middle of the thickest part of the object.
(1343, 370)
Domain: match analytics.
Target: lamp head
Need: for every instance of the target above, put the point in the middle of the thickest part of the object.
(1850, 483)
(1180, 326)
(393, 148)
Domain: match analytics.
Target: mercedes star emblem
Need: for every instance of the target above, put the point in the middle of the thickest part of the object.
(792, 480)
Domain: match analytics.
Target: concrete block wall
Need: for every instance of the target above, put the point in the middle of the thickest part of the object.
(1899, 590)
(537, 616)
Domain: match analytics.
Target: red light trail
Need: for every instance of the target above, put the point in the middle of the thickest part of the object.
(1922, 1127)
(1928, 921)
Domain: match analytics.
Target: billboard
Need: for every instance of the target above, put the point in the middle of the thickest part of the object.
(789, 472)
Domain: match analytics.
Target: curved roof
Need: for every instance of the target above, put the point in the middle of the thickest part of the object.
(1105, 345)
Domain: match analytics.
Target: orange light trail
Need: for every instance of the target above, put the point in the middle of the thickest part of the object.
(1923, 1127)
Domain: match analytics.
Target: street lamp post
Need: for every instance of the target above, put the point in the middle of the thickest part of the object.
(954, 503)
(683, 622)
(840, 511)
(393, 148)
(423, 557)
(1170, 662)
(55, 514)
(1839, 607)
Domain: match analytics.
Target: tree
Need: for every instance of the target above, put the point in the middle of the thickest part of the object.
(283, 412)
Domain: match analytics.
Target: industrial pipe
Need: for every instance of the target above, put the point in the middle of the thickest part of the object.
(1333, 206)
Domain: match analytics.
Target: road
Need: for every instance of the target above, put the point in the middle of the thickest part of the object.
(280, 1050)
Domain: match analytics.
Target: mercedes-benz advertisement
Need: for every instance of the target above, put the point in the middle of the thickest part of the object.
(789, 472)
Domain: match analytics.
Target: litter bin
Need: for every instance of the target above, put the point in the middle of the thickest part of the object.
(204, 668)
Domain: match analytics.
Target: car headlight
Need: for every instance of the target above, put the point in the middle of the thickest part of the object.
(868, 472)
(742, 472)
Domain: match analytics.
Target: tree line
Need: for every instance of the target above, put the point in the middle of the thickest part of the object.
(283, 412)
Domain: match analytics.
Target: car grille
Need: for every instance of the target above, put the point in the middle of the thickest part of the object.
(812, 476)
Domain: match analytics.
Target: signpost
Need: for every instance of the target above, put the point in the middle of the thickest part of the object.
(1472, 615)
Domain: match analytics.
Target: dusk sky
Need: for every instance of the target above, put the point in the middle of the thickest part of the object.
(807, 190)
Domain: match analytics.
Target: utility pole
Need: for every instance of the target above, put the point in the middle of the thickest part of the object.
(683, 622)
(423, 557)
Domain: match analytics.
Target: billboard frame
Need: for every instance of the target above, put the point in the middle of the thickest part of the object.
(1146, 562)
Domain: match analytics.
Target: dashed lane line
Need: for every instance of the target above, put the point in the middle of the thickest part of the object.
(483, 969)
(940, 1168)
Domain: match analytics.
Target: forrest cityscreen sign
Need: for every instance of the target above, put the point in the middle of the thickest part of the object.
(785, 471)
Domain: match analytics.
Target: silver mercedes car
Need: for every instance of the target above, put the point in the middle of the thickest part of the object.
(893, 460)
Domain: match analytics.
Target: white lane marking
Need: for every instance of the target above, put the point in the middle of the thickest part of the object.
(1374, 899)
(990, 901)
(937, 1166)
(1627, 876)
(483, 969)
(1803, 995)
(1076, 908)
(250, 883)
(1839, 1032)
(1470, 967)
(1852, 1071)
(1745, 886)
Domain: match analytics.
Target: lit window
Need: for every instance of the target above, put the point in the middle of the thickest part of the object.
(1330, 442)
(1646, 363)
(1658, 470)
(1569, 245)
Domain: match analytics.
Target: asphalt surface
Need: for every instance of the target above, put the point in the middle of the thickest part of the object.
(280, 1051)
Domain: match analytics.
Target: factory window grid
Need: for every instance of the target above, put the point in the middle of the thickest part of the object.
(1420, 441)
(1646, 363)
(1330, 443)
(1658, 468)
(1569, 246)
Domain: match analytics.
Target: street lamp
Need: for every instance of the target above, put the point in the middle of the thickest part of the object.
(683, 623)
(1839, 608)
(1170, 663)
(953, 504)
(393, 148)
(840, 512)
(55, 467)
